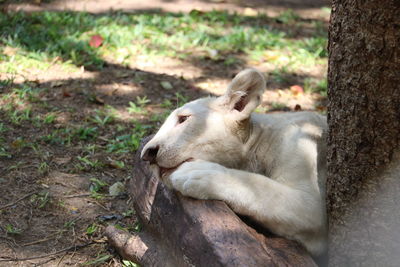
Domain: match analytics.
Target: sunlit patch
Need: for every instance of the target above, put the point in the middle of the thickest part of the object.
(213, 86)
(117, 88)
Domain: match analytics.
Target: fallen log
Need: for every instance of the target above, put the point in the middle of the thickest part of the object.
(180, 231)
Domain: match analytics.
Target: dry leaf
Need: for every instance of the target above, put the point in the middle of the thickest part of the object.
(17, 143)
(61, 161)
(45, 185)
(96, 41)
(296, 90)
(99, 100)
(114, 164)
(66, 94)
(320, 108)
(57, 83)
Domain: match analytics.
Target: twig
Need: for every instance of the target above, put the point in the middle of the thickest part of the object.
(43, 240)
(58, 264)
(18, 200)
(67, 185)
(49, 254)
(37, 242)
(73, 196)
(98, 204)
(44, 262)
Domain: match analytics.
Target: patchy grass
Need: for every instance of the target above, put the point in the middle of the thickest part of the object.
(67, 138)
(65, 36)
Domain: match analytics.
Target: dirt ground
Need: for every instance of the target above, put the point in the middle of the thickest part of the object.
(51, 217)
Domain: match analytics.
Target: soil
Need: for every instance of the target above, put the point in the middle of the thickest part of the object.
(56, 232)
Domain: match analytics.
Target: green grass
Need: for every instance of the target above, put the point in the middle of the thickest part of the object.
(41, 199)
(316, 86)
(125, 143)
(102, 120)
(96, 186)
(288, 17)
(19, 110)
(42, 130)
(135, 108)
(64, 37)
(91, 229)
(49, 118)
(10, 229)
(280, 75)
(101, 259)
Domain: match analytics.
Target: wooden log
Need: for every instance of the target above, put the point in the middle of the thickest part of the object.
(180, 231)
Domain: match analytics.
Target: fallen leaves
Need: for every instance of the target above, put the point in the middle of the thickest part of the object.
(66, 94)
(96, 41)
(296, 90)
(18, 143)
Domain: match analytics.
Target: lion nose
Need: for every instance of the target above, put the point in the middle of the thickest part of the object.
(151, 154)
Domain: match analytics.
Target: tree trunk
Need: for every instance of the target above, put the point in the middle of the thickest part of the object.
(180, 231)
(363, 185)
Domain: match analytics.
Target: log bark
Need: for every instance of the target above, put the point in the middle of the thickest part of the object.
(364, 133)
(180, 231)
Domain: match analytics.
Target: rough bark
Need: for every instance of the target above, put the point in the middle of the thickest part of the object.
(364, 131)
(179, 231)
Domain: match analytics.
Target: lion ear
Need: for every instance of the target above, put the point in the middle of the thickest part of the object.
(244, 93)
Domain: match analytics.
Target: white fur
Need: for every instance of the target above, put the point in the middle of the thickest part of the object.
(269, 167)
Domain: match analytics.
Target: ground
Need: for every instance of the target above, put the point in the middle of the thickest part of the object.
(81, 82)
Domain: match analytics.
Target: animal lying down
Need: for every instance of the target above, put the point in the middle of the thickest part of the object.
(270, 167)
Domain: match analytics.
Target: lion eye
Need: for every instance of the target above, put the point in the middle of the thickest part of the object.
(182, 119)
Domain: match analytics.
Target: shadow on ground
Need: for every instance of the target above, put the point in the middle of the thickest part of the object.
(67, 137)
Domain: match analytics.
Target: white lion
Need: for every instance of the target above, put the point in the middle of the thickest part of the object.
(270, 167)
